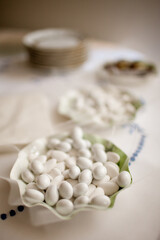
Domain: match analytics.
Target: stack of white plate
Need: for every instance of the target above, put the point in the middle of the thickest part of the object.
(56, 48)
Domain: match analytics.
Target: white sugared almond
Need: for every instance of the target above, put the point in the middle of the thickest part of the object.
(99, 172)
(102, 201)
(99, 155)
(37, 167)
(109, 188)
(85, 177)
(51, 195)
(64, 207)
(74, 172)
(33, 196)
(112, 169)
(80, 189)
(84, 163)
(81, 201)
(65, 190)
(113, 157)
(27, 176)
(43, 181)
(124, 179)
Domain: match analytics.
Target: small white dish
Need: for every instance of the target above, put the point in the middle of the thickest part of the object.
(125, 78)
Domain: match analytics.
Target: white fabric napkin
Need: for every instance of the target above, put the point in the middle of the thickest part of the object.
(24, 118)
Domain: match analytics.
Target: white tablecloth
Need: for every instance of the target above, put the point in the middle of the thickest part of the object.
(136, 213)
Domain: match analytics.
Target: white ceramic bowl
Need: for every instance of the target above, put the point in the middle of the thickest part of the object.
(126, 79)
(40, 145)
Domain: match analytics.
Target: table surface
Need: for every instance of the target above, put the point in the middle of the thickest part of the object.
(136, 213)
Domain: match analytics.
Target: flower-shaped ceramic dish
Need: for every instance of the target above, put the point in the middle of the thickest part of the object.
(40, 146)
(99, 107)
(127, 72)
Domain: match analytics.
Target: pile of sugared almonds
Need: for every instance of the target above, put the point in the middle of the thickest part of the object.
(99, 106)
(73, 174)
